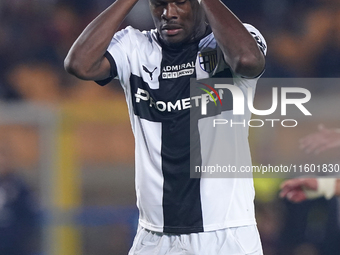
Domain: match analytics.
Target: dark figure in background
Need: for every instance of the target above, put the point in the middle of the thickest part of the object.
(17, 216)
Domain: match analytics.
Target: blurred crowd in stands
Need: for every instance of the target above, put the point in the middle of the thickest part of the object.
(303, 39)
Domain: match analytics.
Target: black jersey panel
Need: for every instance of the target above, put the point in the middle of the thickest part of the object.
(182, 208)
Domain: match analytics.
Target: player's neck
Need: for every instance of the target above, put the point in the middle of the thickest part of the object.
(185, 44)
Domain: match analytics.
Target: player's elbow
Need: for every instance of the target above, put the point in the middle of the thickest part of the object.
(249, 65)
(74, 66)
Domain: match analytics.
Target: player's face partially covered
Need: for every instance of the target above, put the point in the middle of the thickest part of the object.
(177, 21)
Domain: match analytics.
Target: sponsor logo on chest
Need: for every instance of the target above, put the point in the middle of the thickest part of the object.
(176, 71)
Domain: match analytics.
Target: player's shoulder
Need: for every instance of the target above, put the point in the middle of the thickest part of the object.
(130, 32)
(257, 36)
(208, 41)
(250, 27)
(138, 37)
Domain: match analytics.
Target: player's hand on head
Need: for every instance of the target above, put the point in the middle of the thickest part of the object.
(320, 141)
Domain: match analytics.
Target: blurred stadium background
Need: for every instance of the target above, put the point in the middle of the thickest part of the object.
(71, 140)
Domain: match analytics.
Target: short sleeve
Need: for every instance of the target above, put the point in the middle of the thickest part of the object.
(118, 53)
(261, 42)
(113, 71)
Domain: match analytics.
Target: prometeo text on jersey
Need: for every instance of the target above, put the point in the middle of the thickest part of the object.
(238, 100)
(180, 104)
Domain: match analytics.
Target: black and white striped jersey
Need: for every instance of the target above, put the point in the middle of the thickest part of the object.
(156, 80)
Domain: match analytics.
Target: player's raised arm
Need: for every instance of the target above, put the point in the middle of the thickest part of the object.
(86, 58)
(239, 47)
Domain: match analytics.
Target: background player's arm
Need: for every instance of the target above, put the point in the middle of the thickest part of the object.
(239, 47)
(86, 58)
(324, 139)
(300, 189)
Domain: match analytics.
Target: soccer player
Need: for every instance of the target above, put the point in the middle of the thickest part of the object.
(193, 39)
(298, 190)
(17, 212)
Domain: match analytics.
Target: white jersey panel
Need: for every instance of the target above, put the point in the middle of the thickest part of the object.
(235, 207)
(228, 146)
(149, 179)
(133, 49)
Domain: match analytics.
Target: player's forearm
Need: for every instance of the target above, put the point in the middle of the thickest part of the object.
(337, 188)
(240, 49)
(87, 53)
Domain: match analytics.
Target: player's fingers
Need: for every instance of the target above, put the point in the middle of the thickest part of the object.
(304, 140)
(321, 149)
(296, 196)
(298, 184)
(313, 138)
(287, 183)
(324, 147)
(288, 192)
(321, 127)
(292, 183)
(313, 145)
(308, 142)
(314, 148)
(284, 192)
(314, 141)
